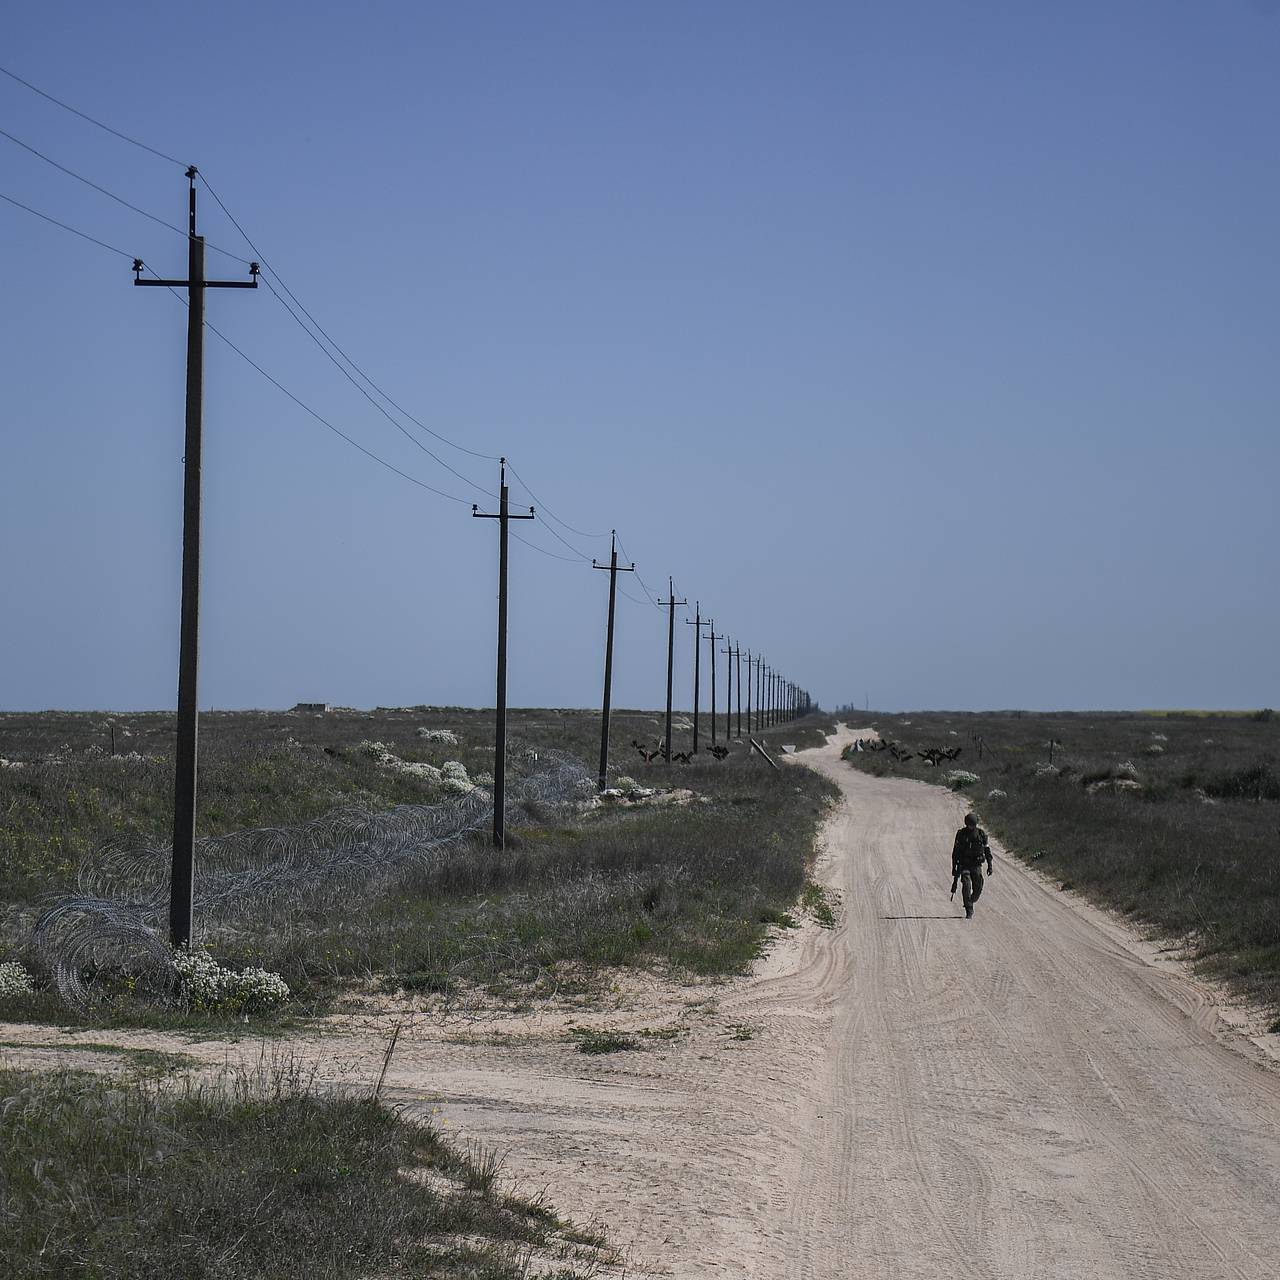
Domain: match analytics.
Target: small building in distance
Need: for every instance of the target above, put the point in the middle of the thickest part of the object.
(313, 708)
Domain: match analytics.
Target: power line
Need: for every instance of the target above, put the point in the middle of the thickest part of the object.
(408, 435)
(542, 506)
(355, 444)
(83, 116)
(488, 457)
(111, 195)
(65, 227)
(653, 600)
(555, 555)
(644, 604)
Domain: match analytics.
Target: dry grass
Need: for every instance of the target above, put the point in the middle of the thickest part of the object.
(693, 887)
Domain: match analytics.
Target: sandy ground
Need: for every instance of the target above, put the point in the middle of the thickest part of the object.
(1032, 1094)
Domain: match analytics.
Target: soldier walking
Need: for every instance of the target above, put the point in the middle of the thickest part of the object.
(967, 856)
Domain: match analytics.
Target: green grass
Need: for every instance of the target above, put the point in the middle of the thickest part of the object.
(113, 1180)
(1189, 854)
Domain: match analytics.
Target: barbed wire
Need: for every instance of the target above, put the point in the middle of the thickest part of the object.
(113, 928)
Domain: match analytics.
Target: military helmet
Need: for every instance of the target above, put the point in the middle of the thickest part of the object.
(970, 819)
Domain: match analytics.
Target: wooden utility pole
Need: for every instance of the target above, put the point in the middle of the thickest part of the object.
(614, 569)
(182, 873)
(671, 603)
(711, 629)
(737, 657)
(697, 666)
(503, 516)
(728, 688)
(750, 685)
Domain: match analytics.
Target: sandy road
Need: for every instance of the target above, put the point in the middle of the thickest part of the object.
(1024, 1096)
(1018, 1096)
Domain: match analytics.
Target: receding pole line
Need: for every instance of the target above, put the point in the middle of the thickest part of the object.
(186, 755)
(503, 516)
(614, 569)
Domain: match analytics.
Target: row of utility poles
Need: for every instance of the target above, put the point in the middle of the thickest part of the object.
(776, 699)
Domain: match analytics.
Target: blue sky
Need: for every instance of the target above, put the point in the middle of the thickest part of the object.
(930, 346)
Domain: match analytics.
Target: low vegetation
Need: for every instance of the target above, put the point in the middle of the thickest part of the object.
(1170, 817)
(120, 1177)
(692, 882)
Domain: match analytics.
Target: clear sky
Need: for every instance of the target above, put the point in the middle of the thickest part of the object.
(931, 346)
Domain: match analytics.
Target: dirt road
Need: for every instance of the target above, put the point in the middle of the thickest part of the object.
(1026, 1096)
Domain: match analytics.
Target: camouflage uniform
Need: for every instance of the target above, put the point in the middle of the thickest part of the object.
(967, 856)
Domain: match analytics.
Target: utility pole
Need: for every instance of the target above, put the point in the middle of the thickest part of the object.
(503, 516)
(711, 625)
(768, 697)
(671, 603)
(182, 873)
(614, 570)
(728, 688)
(759, 692)
(697, 667)
(750, 685)
(737, 655)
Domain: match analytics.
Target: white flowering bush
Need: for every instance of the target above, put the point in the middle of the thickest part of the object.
(1047, 771)
(1153, 749)
(445, 737)
(996, 794)
(383, 756)
(15, 981)
(627, 785)
(454, 778)
(209, 987)
(958, 778)
(1126, 769)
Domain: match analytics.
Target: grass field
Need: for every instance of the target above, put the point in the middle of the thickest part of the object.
(691, 886)
(116, 1177)
(1170, 817)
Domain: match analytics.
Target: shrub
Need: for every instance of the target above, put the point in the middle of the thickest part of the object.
(445, 737)
(210, 988)
(15, 981)
(1257, 782)
(958, 778)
